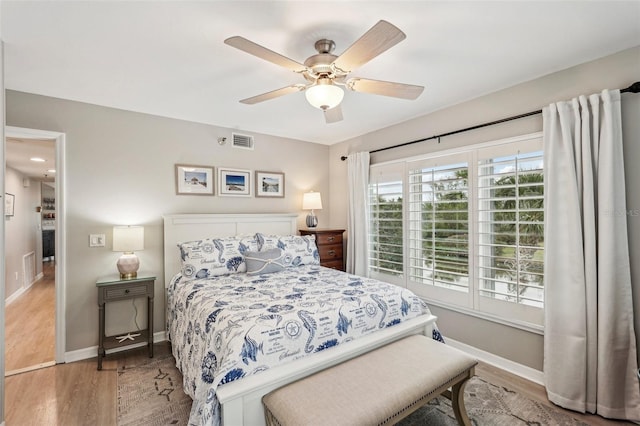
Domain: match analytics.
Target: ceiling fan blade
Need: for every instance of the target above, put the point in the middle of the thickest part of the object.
(384, 88)
(333, 115)
(379, 38)
(264, 53)
(274, 94)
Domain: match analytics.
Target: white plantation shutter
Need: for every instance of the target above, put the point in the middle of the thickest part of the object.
(386, 251)
(511, 228)
(439, 225)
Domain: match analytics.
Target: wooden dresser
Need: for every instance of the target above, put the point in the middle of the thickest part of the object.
(329, 242)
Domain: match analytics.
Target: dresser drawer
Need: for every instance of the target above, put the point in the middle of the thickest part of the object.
(132, 290)
(333, 264)
(322, 239)
(330, 252)
(329, 243)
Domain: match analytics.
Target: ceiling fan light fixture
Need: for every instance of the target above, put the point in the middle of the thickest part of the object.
(324, 95)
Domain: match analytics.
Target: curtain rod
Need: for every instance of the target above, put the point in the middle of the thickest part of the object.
(634, 88)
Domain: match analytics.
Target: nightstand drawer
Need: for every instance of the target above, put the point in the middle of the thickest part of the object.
(125, 291)
(328, 239)
(330, 252)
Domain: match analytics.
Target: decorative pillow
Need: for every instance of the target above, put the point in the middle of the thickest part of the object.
(215, 256)
(297, 250)
(264, 262)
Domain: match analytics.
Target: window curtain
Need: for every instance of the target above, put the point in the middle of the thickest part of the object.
(358, 213)
(590, 359)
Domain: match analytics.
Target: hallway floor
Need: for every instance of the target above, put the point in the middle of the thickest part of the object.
(30, 325)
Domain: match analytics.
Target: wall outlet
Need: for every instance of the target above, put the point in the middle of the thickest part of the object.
(96, 240)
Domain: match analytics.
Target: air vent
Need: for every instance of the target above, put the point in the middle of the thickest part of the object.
(242, 141)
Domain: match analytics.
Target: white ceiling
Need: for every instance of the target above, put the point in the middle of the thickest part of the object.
(19, 152)
(168, 58)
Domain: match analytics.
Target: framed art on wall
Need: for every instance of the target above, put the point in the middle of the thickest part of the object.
(234, 182)
(194, 180)
(9, 204)
(269, 184)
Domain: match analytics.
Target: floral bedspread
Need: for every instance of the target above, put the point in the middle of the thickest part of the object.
(228, 327)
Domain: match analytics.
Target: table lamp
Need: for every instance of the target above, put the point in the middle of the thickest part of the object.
(128, 239)
(311, 201)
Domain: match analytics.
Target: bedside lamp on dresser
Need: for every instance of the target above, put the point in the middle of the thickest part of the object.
(329, 242)
(312, 201)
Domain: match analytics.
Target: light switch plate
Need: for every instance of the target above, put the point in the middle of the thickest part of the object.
(96, 240)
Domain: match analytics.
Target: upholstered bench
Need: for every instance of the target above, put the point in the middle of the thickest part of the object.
(378, 388)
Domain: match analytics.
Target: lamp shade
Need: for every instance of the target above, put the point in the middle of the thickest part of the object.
(311, 201)
(128, 238)
(324, 96)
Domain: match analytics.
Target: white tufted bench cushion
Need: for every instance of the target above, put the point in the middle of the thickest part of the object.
(380, 387)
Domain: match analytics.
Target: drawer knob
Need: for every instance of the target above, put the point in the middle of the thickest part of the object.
(331, 252)
(126, 291)
(331, 238)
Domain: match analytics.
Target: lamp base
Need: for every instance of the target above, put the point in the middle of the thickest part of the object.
(128, 265)
(312, 220)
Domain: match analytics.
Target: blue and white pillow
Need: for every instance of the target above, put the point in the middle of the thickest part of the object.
(296, 250)
(215, 256)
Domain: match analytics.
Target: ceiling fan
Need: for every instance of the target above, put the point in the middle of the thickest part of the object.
(326, 73)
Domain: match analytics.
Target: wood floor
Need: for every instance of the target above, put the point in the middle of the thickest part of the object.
(536, 392)
(76, 394)
(30, 325)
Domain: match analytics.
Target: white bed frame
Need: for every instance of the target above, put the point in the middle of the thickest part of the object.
(241, 401)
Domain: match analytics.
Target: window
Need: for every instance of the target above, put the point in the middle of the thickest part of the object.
(439, 226)
(471, 223)
(511, 228)
(385, 232)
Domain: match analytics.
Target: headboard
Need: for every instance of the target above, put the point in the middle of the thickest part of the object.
(179, 228)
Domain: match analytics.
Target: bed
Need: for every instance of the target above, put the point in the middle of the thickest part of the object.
(238, 336)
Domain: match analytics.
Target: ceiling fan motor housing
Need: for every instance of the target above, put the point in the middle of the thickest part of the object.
(320, 65)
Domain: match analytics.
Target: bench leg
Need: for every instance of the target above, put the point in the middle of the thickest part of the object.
(457, 401)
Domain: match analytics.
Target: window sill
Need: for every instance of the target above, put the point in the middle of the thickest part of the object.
(521, 325)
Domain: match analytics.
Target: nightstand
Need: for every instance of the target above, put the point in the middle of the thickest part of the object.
(329, 242)
(115, 288)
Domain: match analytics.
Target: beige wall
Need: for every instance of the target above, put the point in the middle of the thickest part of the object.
(21, 230)
(615, 71)
(120, 170)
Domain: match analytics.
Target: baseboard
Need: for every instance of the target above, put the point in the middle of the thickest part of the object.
(15, 296)
(21, 291)
(90, 352)
(528, 373)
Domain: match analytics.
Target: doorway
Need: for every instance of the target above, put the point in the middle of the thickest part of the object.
(41, 301)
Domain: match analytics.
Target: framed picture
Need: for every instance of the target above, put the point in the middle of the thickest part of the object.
(194, 180)
(234, 182)
(269, 184)
(9, 204)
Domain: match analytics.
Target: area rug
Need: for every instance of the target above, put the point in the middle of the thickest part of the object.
(488, 404)
(151, 394)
